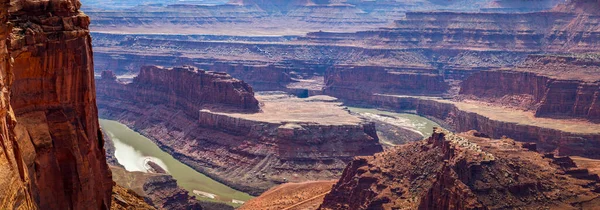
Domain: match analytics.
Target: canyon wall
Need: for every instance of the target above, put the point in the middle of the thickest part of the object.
(248, 154)
(359, 82)
(548, 139)
(55, 145)
(552, 86)
(259, 17)
(191, 88)
(562, 136)
(278, 63)
(463, 171)
(549, 31)
(15, 151)
(302, 137)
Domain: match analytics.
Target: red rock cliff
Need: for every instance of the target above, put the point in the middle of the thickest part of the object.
(187, 87)
(449, 171)
(15, 152)
(55, 143)
(550, 85)
(360, 82)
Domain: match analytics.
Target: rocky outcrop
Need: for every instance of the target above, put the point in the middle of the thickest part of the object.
(165, 194)
(55, 145)
(265, 77)
(248, 151)
(450, 171)
(548, 139)
(124, 199)
(158, 190)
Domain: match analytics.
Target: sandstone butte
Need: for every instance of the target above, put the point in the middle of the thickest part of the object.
(227, 137)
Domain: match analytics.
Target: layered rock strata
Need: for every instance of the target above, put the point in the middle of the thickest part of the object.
(462, 171)
(259, 17)
(356, 82)
(15, 151)
(51, 137)
(552, 86)
(188, 87)
(562, 136)
(288, 140)
(550, 31)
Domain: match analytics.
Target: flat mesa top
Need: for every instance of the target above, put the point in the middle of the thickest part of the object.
(521, 117)
(279, 108)
(527, 118)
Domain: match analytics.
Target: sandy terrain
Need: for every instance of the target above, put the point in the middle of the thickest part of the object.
(279, 108)
(290, 196)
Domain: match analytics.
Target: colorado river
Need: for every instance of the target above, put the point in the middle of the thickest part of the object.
(412, 122)
(133, 150)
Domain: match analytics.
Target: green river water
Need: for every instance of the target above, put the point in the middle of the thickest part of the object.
(133, 149)
(409, 121)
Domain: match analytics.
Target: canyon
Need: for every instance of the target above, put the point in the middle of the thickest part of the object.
(233, 17)
(226, 137)
(272, 98)
(499, 67)
(449, 171)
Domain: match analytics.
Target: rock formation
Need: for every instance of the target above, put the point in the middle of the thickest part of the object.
(51, 140)
(165, 194)
(463, 171)
(187, 87)
(158, 190)
(358, 82)
(124, 199)
(15, 152)
(562, 136)
(552, 86)
(226, 139)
